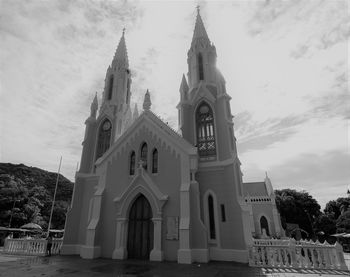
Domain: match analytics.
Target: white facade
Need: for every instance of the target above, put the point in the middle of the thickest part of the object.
(144, 191)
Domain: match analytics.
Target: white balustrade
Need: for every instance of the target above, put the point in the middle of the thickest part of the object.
(289, 253)
(35, 247)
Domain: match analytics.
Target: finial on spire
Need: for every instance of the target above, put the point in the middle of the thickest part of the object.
(266, 174)
(124, 31)
(198, 9)
(147, 101)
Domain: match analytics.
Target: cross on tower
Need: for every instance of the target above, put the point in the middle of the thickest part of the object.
(198, 8)
(124, 31)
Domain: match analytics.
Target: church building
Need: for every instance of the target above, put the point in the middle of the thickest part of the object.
(146, 191)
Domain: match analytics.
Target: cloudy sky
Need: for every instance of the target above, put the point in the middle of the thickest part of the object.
(285, 64)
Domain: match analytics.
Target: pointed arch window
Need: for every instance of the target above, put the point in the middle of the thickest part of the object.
(264, 225)
(200, 67)
(155, 161)
(104, 138)
(144, 155)
(110, 87)
(132, 163)
(212, 232)
(205, 131)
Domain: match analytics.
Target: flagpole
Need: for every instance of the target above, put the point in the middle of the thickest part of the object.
(54, 197)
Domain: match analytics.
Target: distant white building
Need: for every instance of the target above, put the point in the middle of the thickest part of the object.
(144, 191)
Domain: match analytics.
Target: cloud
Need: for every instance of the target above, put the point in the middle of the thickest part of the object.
(255, 134)
(53, 60)
(317, 173)
(306, 24)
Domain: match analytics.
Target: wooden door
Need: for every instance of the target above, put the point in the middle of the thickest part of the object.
(140, 231)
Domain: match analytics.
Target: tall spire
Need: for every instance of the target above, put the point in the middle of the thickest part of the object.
(199, 29)
(121, 54)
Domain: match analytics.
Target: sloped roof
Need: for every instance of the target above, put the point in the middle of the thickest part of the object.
(255, 189)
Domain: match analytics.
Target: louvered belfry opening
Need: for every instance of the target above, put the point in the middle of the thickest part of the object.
(205, 131)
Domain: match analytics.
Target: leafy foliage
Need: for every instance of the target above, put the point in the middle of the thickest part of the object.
(343, 223)
(27, 194)
(297, 207)
(326, 224)
(335, 207)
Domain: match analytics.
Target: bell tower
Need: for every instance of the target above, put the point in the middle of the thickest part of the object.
(205, 121)
(114, 115)
(117, 93)
(205, 118)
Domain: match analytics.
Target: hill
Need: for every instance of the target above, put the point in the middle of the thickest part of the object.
(27, 193)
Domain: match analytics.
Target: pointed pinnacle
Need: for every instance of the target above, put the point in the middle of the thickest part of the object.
(121, 53)
(94, 106)
(184, 85)
(199, 29)
(136, 112)
(147, 101)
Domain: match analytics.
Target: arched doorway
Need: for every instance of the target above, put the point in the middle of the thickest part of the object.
(140, 231)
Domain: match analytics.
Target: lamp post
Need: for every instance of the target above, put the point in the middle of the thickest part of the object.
(14, 203)
(309, 218)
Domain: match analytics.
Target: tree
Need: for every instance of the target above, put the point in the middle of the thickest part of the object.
(335, 207)
(326, 224)
(343, 223)
(298, 207)
(26, 196)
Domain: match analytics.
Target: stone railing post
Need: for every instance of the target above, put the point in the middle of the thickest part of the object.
(340, 256)
(251, 254)
(293, 253)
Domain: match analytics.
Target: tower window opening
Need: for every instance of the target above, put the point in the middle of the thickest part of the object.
(155, 161)
(200, 67)
(144, 155)
(212, 232)
(205, 131)
(132, 163)
(110, 88)
(104, 137)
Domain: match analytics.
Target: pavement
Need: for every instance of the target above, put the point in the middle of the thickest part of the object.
(27, 266)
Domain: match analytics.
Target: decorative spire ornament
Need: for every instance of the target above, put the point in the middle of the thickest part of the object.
(147, 101)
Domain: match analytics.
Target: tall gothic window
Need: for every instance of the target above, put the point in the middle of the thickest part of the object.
(110, 87)
(211, 217)
(205, 131)
(264, 225)
(155, 161)
(132, 163)
(200, 67)
(104, 138)
(144, 155)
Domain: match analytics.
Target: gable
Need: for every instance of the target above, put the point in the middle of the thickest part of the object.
(158, 130)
